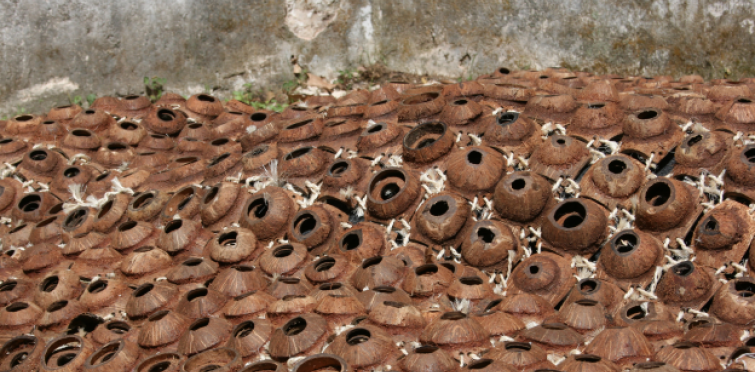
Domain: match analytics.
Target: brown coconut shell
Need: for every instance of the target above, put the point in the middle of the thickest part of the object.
(546, 274)
(687, 356)
(623, 346)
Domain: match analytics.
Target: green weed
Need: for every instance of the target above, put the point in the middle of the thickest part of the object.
(154, 87)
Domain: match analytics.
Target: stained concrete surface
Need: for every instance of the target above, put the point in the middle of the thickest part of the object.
(52, 49)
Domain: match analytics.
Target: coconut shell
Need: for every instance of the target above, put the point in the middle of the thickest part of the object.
(300, 336)
(248, 338)
(623, 346)
(247, 306)
(428, 358)
(238, 280)
(489, 244)
(171, 362)
(733, 301)
(204, 334)
(117, 356)
(364, 347)
(71, 348)
(457, 333)
(285, 259)
(686, 356)
(268, 213)
(379, 271)
(524, 357)
(546, 274)
(150, 298)
(22, 353)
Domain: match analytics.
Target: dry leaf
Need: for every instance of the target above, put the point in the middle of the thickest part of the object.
(297, 69)
(318, 82)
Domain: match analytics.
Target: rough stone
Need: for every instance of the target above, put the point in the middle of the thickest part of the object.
(53, 49)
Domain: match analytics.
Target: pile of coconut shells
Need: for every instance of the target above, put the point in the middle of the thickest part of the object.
(524, 221)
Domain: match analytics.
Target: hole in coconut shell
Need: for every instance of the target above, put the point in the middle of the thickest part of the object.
(258, 208)
(199, 324)
(658, 194)
(507, 118)
(635, 313)
(570, 215)
(351, 240)
(195, 294)
(626, 242)
(376, 128)
(358, 336)
(518, 184)
(38, 155)
(588, 286)
(173, 226)
(298, 153)
(587, 358)
(294, 326)
(389, 191)
(338, 168)
(126, 226)
(105, 354)
(533, 269)
(193, 261)
(744, 288)
(485, 234)
(649, 365)
(49, 284)
(8, 286)
(16, 307)
(439, 208)
(143, 289)
(306, 223)
(470, 280)
(617, 166)
(683, 268)
(325, 264)
(30, 203)
(143, 200)
(244, 329)
(119, 328)
(474, 157)
(425, 350)
(127, 125)
(395, 304)
(647, 115)
(258, 116)
(228, 239)
(427, 269)
(97, 286)
(71, 172)
(283, 251)
(518, 346)
(479, 364)
(750, 155)
(330, 286)
(371, 262)
(454, 315)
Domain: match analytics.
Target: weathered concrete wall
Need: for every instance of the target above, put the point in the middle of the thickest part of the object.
(54, 48)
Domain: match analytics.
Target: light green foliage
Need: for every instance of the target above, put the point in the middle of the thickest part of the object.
(154, 87)
(346, 77)
(90, 99)
(271, 104)
(251, 98)
(79, 100)
(299, 79)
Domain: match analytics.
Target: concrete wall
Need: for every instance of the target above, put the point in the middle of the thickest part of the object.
(54, 48)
